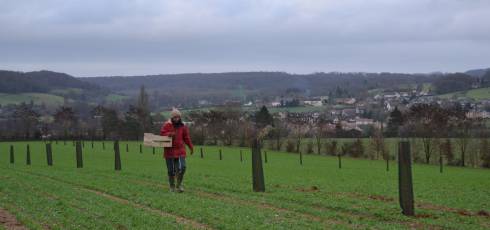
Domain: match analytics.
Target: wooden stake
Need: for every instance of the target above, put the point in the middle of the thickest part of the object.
(340, 160)
(28, 155)
(117, 156)
(49, 154)
(257, 169)
(78, 154)
(440, 161)
(12, 159)
(387, 162)
(405, 184)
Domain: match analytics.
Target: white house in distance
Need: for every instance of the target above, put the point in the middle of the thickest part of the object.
(346, 101)
(276, 104)
(318, 103)
(248, 104)
(363, 121)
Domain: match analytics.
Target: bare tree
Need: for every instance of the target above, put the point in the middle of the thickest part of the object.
(215, 124)
(230, 125)
(279, 131)
(320, 131)
(66, 117)
(429, 123)
(143, 110)
(485, 152)
(378, 144)
(332, 147)
(464, 137)
(26, 119)
(198, 132)
(446, 149)
(298, 124)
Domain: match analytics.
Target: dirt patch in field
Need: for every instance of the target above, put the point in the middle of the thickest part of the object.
(427, 206)
(9, 222)
(381, 198)
(483, 213)
(309, 189)
(461, 212)
(425, 215)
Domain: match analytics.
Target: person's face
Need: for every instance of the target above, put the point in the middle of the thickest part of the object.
(176, 119)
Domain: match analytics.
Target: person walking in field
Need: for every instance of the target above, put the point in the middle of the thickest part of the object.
(175, 155)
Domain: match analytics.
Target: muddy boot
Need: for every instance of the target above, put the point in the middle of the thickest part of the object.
(180, 186)
(171, 181)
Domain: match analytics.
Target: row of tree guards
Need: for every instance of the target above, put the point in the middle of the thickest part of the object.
(300, 154)
(79, 158)
(404, 166)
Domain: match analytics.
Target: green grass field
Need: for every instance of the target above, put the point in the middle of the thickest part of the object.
(115, 97)
(38, 98)
(476, 94)
(315, 195)
(67, 91)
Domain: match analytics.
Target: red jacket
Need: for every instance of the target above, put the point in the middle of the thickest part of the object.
(180, 138)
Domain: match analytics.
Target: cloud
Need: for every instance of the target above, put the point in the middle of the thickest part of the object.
(89, 38)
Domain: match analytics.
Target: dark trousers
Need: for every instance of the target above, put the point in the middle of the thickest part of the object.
(175, 166)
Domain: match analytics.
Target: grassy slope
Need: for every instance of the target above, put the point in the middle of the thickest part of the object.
(51, 100)
(66, 91)
(37, 98)
(477, 94)
(115, 97)
(361, 194)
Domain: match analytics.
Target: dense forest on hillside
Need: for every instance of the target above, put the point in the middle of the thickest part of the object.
(216, 88)
(48, 82)
(244, 86)
(272, 82)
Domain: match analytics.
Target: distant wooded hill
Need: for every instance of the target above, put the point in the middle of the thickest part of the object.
(188, 89)
(173, 89)
(48, 82)
(477, 72)
(267, 83)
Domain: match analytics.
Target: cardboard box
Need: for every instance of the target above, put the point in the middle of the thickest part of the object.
(152, 140)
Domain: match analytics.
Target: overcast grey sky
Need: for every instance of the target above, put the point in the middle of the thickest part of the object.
(118, 37)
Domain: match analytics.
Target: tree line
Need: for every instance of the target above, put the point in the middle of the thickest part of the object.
(434, 131)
